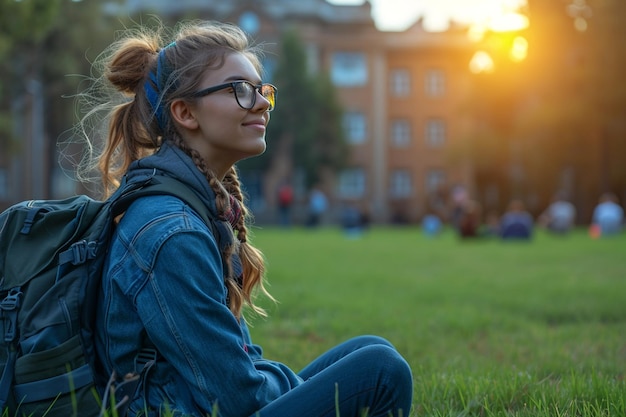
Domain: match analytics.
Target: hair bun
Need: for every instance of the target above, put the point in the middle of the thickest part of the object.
(130, 65)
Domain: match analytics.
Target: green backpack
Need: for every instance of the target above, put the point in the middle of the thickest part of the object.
(51, 259)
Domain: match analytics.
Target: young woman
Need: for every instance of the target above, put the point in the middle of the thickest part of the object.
(193, 109)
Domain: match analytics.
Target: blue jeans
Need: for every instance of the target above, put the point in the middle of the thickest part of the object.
(364, 373)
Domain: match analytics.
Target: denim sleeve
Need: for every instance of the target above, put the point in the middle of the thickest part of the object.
(183, 307)
(254, 351)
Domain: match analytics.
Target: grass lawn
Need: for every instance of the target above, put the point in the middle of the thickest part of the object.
(490, 328)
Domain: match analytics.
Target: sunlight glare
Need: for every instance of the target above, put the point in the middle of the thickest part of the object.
(580, 24)
(392, 14)
(519, 50)
(508, 22)
(476, 32)
(481, 63)
(496, 15)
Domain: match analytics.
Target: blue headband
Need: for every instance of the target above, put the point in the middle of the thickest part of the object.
(154, 88)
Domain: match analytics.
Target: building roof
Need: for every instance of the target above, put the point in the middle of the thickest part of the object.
(277, 9)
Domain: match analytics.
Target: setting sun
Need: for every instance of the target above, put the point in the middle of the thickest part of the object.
(495, 15)
(490, 23)
(508, 22)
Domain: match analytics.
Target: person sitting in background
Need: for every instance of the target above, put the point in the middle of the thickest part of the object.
(516, 223)
(469, 221)
(560, 215)
(431, 225)
(608, 216)
(352, 220)
(492, 224)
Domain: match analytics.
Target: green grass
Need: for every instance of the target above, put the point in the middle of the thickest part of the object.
(490, 328)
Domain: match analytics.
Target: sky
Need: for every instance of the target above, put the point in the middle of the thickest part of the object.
(436, 14)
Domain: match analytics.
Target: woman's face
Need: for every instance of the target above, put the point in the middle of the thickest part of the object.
(226, 132)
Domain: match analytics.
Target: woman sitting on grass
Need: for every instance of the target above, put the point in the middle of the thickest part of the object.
(194, 108)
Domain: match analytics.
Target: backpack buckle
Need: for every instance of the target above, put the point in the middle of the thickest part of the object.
(9, 307)
(12, 300)
(143, 357)
(79, 252)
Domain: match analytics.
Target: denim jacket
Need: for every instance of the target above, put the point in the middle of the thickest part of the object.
(163, 288)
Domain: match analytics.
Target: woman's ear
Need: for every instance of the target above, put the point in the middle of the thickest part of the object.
(183, 114)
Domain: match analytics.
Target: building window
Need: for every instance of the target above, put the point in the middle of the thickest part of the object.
(400, 133)
(348, 69)
(352, 183)
(401, 184)
(435, 83)
(435, 133)
(400, 83)
(355, 127)
(435, 179)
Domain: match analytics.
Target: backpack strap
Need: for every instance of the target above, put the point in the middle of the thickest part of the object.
(126, 390)
(159, 185)
(121, 201)
(10, 305)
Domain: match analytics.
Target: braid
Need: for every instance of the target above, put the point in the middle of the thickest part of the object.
(221, 194)
(252, 261)
(232, 186)
(251, 258)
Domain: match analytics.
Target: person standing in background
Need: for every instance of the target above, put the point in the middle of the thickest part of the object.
(318, 204)
(285, 201)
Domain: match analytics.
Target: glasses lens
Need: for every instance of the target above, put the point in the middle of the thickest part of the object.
(269, 92)
(244, 92)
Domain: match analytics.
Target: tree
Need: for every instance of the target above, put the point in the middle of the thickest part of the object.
(23, 26)
(556, 119)
(492, 104)
(70, 51)
(606, 57)
(306, 124)
(41, 43)
(577, 119)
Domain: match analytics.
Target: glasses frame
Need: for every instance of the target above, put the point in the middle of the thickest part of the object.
(258, 88)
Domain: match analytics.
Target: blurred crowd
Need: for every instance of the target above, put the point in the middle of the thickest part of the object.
(464, 215)
(517, 223)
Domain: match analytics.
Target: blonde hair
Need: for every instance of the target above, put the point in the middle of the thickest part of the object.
(150, 76)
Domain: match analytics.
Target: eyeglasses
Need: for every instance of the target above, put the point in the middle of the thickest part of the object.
(245, 93)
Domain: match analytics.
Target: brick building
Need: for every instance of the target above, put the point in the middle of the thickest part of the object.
(402, 93)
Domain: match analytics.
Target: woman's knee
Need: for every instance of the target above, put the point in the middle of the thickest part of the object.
(371, 340)
(392, 372)
(385, 360)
